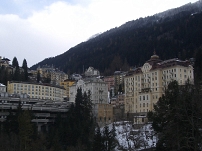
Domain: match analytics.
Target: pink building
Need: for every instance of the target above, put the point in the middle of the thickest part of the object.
(110, 81)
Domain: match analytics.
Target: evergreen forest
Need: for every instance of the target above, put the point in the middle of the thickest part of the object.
(175, 35)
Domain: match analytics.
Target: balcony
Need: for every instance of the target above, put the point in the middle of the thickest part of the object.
(145, 90)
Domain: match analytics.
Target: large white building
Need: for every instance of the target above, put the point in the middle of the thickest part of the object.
(36, 90)
(145, 85)
(97, 87)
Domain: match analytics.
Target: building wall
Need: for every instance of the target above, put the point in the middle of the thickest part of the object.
(143, 88)
(35, 90)
(56, 76)
(92, 72)
(98, 89)
(105, 114)
(118, 80)
(67, 84)
(110, 81)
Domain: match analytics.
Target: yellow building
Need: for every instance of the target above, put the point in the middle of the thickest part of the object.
(145, 85)
(66, 84)
(36, 90)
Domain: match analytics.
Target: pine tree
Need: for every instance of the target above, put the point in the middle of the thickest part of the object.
(109, 138)
(24, 66)
(98, 144)
(176, 118)
(16, 75)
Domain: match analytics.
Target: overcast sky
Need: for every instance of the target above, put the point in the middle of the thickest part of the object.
(39, 29)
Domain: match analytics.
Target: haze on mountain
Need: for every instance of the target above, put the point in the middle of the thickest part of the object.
(174, 33)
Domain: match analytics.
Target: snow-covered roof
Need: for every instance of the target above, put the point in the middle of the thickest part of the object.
(1, 85)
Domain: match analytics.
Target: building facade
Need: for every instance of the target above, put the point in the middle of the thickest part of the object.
(67, 84)
(119, 81)
(49, 72)
(97, 87)
(36, 90)
(110, 81)
(105, 114)
(118, 100)
(90, 72)
(145, 85)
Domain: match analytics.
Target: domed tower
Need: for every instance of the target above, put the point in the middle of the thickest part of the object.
(154, 59)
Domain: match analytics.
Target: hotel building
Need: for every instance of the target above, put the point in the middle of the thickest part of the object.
(146, 84)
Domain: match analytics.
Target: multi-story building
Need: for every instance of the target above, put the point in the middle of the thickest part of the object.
(105, 114)
(102, 111)
(91, 72)
(110, 81)
(97, 87)
(118, 100)
(145, 85)
(36, 90)
(67, 84)
(4, 62)
(55, 75)
(2, 88)
(119, 81)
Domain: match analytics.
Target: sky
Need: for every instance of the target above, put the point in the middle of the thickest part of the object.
(39, 29)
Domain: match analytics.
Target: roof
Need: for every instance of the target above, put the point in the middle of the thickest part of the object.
(1, 85)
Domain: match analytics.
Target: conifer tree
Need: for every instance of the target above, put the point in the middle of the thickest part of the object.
(16, 75)
(177, 118)
(24, 66)
(98, 141)
(109, 138)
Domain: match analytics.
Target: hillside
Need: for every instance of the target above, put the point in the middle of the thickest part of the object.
(173, 33)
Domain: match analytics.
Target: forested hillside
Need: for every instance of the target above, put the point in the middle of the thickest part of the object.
(173, 33)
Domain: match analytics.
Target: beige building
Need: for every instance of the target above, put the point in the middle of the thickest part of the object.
(55, 75)
(145, 85)
(105, 114)
(36, 90)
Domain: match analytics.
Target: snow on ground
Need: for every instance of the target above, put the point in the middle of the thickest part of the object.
(130, 138)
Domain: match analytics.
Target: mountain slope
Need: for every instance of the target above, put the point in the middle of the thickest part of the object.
(173, 33)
